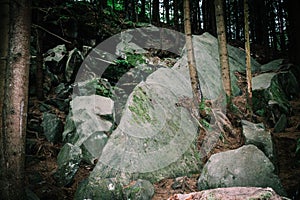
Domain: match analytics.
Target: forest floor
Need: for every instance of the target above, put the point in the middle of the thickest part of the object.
(41, 163)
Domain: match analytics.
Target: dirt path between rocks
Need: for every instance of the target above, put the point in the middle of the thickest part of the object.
(285, 144)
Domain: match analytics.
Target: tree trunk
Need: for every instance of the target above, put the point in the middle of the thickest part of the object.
(281, 25)
(294, 31)
(167, 8)
(197, 94)
(237, 21)
(223, 53)
(39, 60)
(248, 58)
(14, 111)
(208, 10)
(260, 19)
(155, 12)
(4, 30)
(142, 17)
(176, 16)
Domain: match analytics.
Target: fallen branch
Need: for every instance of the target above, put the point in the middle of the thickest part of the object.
(57, 36)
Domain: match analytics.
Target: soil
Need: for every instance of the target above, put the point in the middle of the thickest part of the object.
(41, 161)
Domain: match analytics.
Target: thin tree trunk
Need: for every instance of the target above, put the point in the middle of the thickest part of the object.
(155, 12)
(197, 94)
(4, 30)
(281, 26)
(294, 31)
(143, 11)
(39, 61)
(176, 16)
(223, 53)
(167, 7)
(15, 102)
(248, 58)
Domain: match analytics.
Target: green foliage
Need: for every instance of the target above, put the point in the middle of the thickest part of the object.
(205, 123)
(135, 59)
(99, 87)
(118, 5)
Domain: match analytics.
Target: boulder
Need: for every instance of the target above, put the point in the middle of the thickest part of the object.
(87, 124)
(108, 188)
(272, 91)
(155, 137)
(281, 124)
(52, 126)
(267, 92)
(139, 190)
(112, 188)
(257, 135)
(232, 193)
(92, 147)
(246, 166)
(208, 65)
(68, 161)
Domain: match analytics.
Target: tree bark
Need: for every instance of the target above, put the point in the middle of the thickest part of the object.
(14, 113)
(143, 11)
(4, 30)
(294, 31)
(167, 9)
(223, 53)
(176, 16)
(208, 11)
(248, 57)
(196, 89)
(155, 12)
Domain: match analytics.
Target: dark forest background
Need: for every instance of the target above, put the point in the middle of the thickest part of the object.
(274, 24)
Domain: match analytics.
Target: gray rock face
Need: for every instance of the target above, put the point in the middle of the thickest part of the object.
(92, 147)
(86, 126)
(153, 132)
(208, 64)
(68, 161)
(272, 90)
(246, 166)
(52, 126)
(154, 135)
(232, 193)
(257, 135)
(111, 188)
(140, 190)
(108, 188)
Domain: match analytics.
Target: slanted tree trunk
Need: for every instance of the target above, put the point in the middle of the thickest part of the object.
(223, 53)
(248, 57)
(14, 111)
(197, 94)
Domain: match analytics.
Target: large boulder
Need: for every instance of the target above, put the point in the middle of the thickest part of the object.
(111, 188)
(52, 126)
(87, 125)
(208, 65)
(243, 167)
(232, 193)
(68, 161)
(257, 135)
(272, 91)
(155, 138)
